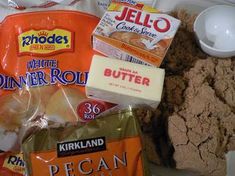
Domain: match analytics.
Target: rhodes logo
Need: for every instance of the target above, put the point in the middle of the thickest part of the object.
(45, 42)
(14, 163)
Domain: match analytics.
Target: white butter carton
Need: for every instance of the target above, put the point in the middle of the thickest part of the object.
(134, 32)
(125, 83)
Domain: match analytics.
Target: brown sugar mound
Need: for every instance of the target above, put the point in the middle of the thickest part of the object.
(194, 126)
(202, 127)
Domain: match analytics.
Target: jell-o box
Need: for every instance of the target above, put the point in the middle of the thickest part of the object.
(123, 82)
(135, 32)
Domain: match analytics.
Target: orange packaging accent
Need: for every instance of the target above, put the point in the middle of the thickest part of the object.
(120, 158)
(60, 39)
(11, 164)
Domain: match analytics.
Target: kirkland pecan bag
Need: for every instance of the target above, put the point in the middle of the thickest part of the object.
(110, 145)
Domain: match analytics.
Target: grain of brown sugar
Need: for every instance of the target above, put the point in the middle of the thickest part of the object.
(194, 125)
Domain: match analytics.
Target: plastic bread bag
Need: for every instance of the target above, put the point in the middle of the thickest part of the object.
(38, 3)
(95, 7)
(108, 145)
(44, 64)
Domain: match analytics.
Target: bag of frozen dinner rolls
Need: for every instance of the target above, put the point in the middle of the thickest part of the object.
(44, 64)
(106, 146)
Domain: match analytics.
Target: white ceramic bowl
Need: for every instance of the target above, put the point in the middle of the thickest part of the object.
(215, 30)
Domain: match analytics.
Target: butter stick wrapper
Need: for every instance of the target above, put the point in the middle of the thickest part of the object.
(124, 83)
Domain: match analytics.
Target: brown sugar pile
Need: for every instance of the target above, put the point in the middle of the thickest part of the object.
(202, 127)
(194, 125)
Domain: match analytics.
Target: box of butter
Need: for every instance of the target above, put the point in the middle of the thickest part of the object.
(134, 32)
(125, 83)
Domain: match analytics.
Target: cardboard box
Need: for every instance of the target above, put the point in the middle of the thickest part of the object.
(135, 32)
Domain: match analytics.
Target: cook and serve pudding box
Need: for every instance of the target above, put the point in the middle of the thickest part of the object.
(124, 83)
(134, 32)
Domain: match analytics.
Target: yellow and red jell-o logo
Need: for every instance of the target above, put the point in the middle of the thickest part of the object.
(45, 42)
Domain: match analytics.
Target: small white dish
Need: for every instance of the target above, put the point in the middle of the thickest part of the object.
(215, 30)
